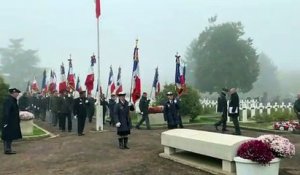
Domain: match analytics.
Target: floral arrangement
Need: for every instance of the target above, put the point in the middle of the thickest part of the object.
(280, 146)
(286, 125)
(155, 109)
(25, 115)
(257, 151)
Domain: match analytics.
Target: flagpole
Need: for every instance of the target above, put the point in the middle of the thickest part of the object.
(99, 117)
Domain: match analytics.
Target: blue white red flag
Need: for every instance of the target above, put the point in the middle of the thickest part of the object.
(111, 81)
(44, 83)
(34, 86)
(71, 77)
(89, 81)
(136, 81)
(78, 85)
(52, 82)
(156, 83)
(63, 81)
(179, 76)
(119, 87)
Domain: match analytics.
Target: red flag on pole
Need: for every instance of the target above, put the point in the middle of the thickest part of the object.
(89, 81)
(98, 9)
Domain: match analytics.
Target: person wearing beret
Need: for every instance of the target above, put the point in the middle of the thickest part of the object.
(80, 111)
(121, 117)
(222, 109)
(171, 111)
(11, 121)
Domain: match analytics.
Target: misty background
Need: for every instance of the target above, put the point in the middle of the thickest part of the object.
(59, 28)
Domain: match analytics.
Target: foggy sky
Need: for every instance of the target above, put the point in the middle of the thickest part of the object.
(58, 28)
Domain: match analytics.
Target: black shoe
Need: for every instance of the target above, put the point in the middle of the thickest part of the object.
(236, 133)
(217, 127)
(224, 130)
(121, 144)
(9, 152)
(80, 134)
(125, 143)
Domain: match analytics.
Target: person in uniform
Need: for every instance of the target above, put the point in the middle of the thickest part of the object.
(11, 121)
(80, 111)
(111, 107)
(103, 103)
(24, 102)
(90, 107)
(121, 114)
(234, 110)
(54, 108)
(222, 108)
(144, 107)
(65, 109)
(171, 111)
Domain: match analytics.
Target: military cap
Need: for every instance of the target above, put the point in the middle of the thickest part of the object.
(169, 93)
(13, 90)
(122, 93)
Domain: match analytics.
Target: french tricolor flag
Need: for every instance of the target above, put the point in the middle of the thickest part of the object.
(89, 81)
(111, 81)
(179, 76)
(71, 76)
(63, 81)
(52, 82)
(119, 87)
(156, 84)
(136, 81)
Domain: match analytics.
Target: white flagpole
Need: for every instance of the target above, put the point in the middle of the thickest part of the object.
(99, 109)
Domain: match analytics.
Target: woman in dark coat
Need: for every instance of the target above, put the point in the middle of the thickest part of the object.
(11, 121)
(123, 123)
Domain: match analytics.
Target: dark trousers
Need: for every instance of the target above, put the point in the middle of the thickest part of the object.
(172, 126)
(7, 145)
(54, 118)
(223, 121)
(180, 121)
(63, 118)
(235, 120)
(145, 117)
(81, 123)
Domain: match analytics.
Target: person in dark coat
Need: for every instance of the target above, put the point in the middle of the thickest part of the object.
(144, 107)
(24, 102)
(297, 107)
(80, 111)
(11, 121)
(90, 107)
(65, 110)
(121, 114)
(54, 108)
(234, 110)
(103, 103)
(171, 111)
(222, 108)
(111, 107)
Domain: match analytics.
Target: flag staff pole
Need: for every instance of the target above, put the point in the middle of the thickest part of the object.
(152, 85)
(99, 117)
(136, 43)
